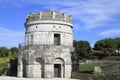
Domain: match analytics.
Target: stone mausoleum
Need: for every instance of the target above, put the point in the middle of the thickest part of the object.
(46, 52)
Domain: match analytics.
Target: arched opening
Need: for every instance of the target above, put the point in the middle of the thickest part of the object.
(24, 67)
(59, 67)
(39, 67)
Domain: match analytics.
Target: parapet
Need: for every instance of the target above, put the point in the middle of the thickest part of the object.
(48, 15)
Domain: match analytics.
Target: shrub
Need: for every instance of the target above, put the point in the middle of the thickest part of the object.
(4, 60)
(93, 57)
(117, 58)
(99, 76)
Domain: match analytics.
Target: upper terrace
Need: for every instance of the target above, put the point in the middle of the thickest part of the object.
(48, 15)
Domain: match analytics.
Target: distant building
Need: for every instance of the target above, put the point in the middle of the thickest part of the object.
(118, 51)
(46, 52)
(98, 52)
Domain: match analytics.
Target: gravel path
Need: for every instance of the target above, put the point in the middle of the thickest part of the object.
(16, 78)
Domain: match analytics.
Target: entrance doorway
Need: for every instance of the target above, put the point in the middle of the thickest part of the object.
(57, 70)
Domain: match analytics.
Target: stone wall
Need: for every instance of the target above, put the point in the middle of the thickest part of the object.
(48, 54)
(41, 29)
(109, 68)
(97, 62)
(48, 38)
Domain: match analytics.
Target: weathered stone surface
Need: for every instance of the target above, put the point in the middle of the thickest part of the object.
(48, 46)
(97, 69)
(48, 15)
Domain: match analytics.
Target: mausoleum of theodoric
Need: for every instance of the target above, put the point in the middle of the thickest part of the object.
(46, 52)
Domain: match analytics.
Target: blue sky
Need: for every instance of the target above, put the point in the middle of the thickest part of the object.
(93, 19)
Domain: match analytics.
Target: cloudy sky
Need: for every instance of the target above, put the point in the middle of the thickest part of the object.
(93, 19)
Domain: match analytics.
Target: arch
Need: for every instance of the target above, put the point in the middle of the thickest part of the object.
(59, 67)
(39, 67)
(24, 67)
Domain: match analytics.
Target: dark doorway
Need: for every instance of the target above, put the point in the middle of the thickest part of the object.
(57, 70)
(56, 39)
(24, 67)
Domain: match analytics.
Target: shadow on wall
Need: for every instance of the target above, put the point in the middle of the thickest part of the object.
(13, 68)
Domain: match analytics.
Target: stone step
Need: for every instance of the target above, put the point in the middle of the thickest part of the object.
(17, 78)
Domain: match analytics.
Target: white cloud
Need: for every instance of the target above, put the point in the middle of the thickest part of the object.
(10, 38)
(92, 13)
(108, 33)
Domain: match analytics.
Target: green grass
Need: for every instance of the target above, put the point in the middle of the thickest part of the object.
(4, 60)
(114, 73)
(1, 66)
(90, 67)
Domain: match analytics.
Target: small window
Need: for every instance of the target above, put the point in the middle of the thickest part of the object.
(56, 39)
(31, 41)
(36, 26)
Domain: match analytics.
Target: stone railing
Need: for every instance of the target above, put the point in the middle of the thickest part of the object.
(43, 43)
(48, 15)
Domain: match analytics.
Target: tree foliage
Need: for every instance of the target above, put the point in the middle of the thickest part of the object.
(117, 42)
(75, 43)
(14, 49)
(3, 52)
(83, 49)
(11, 53)
(108, 45)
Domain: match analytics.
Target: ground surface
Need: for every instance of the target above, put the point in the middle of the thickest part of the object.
(16, 78)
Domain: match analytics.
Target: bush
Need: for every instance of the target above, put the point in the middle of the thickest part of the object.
(2, 65)
(4, 60)
(93, 57)
(117, 58)
(99, 76)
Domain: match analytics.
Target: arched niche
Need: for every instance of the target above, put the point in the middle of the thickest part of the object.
(39, 67)
(24, 67)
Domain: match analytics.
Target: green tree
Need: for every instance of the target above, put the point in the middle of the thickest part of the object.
(117, 41)
(108, 45)
(14, 51)
(3, 52)
(10, 54)
(83, 49)
(15, 55)
(75, 43)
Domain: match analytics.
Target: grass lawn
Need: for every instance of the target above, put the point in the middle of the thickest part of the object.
(1, 66)
(90, 67)
(114, 73)
(3, 61)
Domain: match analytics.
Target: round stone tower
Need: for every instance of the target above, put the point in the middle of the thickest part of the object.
(48, 46)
